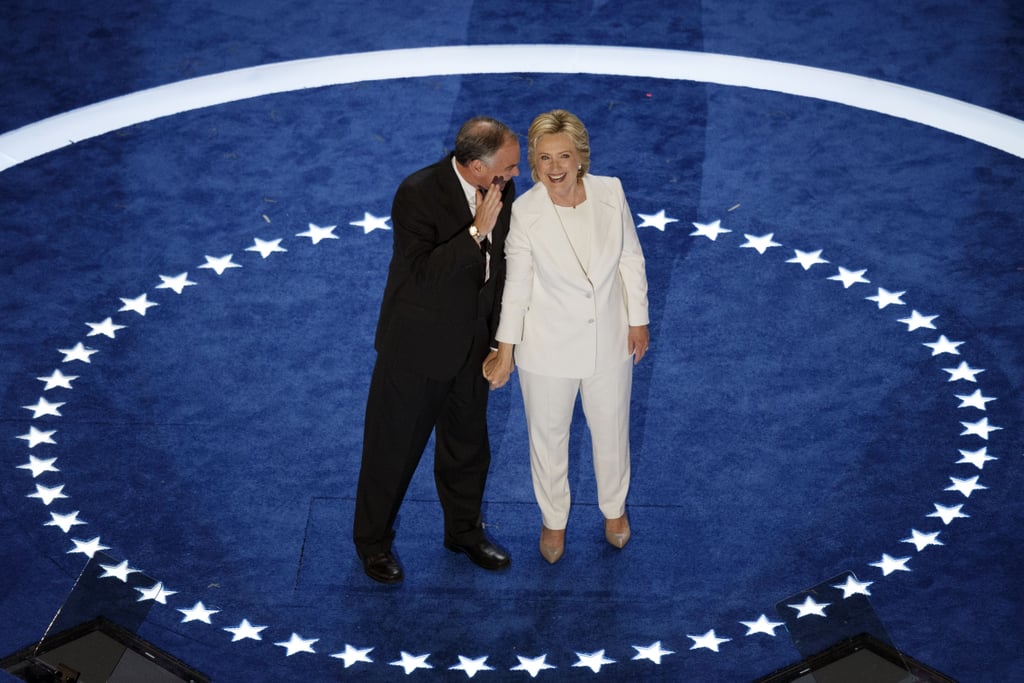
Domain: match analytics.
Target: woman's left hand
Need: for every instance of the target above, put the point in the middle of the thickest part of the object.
(639, 341)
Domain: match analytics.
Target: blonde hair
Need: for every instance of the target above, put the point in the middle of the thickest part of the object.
(559, 121)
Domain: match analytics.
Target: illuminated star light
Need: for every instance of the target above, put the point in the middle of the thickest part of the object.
(39, 466)
(975, 400)
(371, 223)
(853, 587)
(657, 221)
(708, 641)
(653, 652)
(889, 564)
(156, 593)
(408, 662)
(944, 345)
(198, 612)
(977, 458)
(532, 665)
(48, 494)
(38, 436)
(353, 655)
(297, 644)
(65, 522)
(593, 661)
(57, 379)
(886, 298)
(923, 540)
(964, 372)
(471, 666)
(709, 230)
(219, 264)
(178, 283)
(266, 248)
(121, 571)
(107, 328)
(850, 277)
(810, 607)
(35, 437)
(78, 352)
(43, 407)
(316, 233)
(761, 243)
(916, 321)
(966, 486)
(139, 304)
(762, 625)
(980, 428)
(806, 259)
(245, 630)
(948, 513)
(87, 548)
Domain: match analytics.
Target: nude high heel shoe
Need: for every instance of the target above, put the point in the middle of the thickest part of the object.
(552, 544)
(616, 531)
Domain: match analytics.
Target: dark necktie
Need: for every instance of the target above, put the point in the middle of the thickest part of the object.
(485, 243)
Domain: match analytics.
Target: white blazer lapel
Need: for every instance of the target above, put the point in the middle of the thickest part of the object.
(607, 230)
(540, 218)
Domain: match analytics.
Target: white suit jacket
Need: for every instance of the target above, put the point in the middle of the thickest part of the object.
(565, 321)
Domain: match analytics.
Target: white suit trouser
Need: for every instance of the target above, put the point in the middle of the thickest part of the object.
(549, 403)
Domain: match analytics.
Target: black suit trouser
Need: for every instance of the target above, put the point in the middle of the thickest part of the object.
(402, 409)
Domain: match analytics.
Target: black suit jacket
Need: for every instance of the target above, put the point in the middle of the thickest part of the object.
(435, 296)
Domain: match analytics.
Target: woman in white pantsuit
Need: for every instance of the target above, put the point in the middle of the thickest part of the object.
(574, 312)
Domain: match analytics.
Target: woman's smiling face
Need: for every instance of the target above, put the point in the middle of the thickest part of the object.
(557, 163)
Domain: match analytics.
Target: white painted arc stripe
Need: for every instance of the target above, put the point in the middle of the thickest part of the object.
(954, 116)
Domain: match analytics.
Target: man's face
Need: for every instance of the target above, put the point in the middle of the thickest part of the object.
(503, 166)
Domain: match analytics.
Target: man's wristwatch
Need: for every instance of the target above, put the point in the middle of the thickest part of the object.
(475, 234)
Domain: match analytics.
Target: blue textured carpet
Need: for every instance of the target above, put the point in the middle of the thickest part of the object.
(788, 425)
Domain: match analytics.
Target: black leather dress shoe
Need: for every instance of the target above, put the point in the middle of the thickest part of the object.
(483, 554)
(383, 567)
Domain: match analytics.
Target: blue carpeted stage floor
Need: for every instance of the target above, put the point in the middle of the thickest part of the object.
(834, 386)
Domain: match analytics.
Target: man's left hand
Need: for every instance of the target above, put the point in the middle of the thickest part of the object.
(498, 368)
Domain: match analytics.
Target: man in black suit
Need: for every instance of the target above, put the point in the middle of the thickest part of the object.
(436, 330)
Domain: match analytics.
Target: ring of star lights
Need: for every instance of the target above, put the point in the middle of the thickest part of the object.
(351, 655)
(849, 279)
